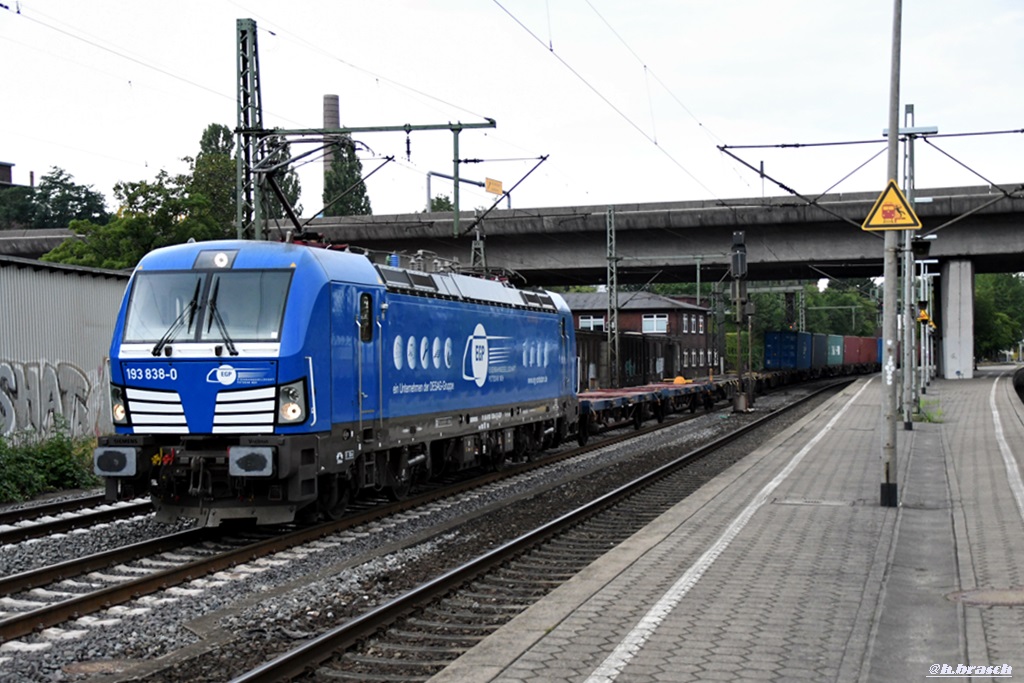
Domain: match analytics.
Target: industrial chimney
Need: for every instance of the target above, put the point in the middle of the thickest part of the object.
(331, 121)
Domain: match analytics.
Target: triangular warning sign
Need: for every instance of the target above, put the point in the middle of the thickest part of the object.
(891, 211)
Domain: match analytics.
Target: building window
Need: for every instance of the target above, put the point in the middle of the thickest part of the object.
(592, 322)
(686, 363)
(655, 323)
(701, 318)
(703, 358)
(686, 323)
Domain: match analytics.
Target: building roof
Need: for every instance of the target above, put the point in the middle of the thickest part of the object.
(628, 301)
(17, 262)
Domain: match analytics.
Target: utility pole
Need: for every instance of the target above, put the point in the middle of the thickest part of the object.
(889, 494)
(739, 298)
(250, 117)
(612, 329)
(908, 376)
(253, 138)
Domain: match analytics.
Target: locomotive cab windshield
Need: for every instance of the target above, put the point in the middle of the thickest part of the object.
(218, 306)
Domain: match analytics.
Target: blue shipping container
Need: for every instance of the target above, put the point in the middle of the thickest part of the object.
(779, 350)
(819, 350)
(803, 350)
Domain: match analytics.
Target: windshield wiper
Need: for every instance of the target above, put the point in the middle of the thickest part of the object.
(215, 318)
(189, 310)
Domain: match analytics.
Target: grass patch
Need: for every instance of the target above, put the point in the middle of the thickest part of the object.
(929, 411)
(31, 464)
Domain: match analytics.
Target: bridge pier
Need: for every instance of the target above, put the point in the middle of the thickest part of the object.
(957, 284)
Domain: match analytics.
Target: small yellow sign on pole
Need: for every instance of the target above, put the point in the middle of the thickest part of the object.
(493, 186)
(891, 211)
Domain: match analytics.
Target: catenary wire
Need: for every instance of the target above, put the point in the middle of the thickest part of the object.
(604, 99)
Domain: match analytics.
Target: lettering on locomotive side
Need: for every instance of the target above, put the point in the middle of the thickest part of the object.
(423, 387)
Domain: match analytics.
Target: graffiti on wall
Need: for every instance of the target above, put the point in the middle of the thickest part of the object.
(34, 395)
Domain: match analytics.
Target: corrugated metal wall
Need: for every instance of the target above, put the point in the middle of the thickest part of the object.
(55, 329)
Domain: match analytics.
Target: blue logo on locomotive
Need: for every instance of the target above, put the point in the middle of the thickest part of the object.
(482, 352)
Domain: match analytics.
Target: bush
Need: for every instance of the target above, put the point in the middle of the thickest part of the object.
(30, 464)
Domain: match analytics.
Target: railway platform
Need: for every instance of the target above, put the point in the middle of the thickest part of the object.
(786, 568)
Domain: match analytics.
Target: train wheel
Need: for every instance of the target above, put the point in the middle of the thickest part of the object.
(583, 430)
(399, 490)
(335, 495)
(638, 416)
(560, 432)
(659, 411)
(547, 438)
(527, 442)
(493, 460)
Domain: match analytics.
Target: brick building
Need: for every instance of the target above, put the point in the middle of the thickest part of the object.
(678, 333)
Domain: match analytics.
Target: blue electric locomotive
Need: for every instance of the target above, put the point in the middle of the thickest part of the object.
(266, 380)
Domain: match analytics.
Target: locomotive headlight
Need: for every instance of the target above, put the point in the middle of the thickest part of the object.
(291, 401)
(117, 409)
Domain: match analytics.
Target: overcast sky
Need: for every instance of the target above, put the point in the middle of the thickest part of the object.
(629, 100)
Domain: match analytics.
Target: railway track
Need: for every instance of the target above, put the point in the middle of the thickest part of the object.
(51, 596)
(60, 517)
(418, 633)
(483, 493)
(18, 515)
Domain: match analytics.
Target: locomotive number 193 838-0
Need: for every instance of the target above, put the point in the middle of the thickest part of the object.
(151, 373)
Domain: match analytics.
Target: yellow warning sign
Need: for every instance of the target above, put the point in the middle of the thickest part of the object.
(493, 186)
(891, 211)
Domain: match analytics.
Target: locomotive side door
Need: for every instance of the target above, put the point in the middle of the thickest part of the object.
(566, 361)
(367, 331)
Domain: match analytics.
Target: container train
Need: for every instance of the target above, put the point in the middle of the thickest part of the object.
(815, 355)
(265, 380)
(274, 381)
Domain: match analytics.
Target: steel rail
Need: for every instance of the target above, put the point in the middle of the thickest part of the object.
(19, 625)
(23, 624)
(35, 578)
(58, 526)
(304, 658)
(51, 508)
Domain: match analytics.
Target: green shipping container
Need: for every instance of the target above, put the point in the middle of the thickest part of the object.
(835, 349)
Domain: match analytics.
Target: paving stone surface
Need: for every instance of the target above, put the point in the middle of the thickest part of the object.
(785, 567)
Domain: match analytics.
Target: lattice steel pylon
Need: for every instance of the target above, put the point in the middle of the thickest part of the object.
(250, 151)
(612, 328)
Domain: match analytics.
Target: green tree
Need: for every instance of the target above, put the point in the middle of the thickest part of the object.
(213, 174)
(441, 203)
(998, 313)
(153, 214)
(17, 208)
(59, 200)
(344, 189)
(54, 203)
(845, 307)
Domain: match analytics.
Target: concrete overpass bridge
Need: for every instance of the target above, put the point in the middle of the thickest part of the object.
(976, 229)
(786, 238)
